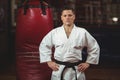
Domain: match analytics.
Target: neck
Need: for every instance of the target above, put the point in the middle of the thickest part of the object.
(68, 28)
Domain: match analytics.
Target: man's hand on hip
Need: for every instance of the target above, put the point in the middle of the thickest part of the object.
(83, 66)
(53, 65)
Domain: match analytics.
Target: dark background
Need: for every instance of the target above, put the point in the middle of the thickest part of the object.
(100, 25)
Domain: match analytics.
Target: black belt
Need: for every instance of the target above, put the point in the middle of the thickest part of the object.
(68, 65)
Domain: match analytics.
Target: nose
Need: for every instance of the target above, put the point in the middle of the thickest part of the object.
(67, 16)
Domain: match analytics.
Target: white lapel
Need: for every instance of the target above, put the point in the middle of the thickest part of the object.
(68, 41)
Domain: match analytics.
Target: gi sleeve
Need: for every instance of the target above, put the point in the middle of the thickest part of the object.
(93, 49)
(45, 48)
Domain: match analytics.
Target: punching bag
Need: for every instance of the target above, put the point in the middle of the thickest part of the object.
(34, 21)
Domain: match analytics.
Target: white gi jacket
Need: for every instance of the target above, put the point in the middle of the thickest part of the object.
(69, 49)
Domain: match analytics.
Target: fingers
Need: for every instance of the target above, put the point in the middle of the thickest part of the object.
(53, 65)
(83, 66)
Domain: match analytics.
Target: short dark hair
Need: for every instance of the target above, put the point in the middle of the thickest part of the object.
(67, 8)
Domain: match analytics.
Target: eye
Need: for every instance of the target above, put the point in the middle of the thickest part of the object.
(69, 15)
(64, 15)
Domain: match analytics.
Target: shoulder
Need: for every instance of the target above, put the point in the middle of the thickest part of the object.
(81, 29)
(56, 29)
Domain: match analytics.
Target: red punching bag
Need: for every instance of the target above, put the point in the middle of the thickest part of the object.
(34, 21)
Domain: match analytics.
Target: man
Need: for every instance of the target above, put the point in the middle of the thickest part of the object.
(68, 42)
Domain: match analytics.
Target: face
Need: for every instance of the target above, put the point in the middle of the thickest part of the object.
(67, 17)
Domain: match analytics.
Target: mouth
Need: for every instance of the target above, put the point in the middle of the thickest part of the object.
(67, 22)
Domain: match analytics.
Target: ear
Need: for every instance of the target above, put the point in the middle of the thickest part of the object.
(61, 17)
(74, 17)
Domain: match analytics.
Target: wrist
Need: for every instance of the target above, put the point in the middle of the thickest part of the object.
(87, 63)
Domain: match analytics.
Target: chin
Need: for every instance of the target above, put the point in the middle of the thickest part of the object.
(68, 24)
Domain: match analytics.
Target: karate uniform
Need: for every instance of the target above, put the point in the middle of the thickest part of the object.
(69, 49)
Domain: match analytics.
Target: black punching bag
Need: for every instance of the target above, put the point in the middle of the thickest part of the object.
(34, 21)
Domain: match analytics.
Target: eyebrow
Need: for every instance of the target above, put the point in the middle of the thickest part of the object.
(67, 14)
